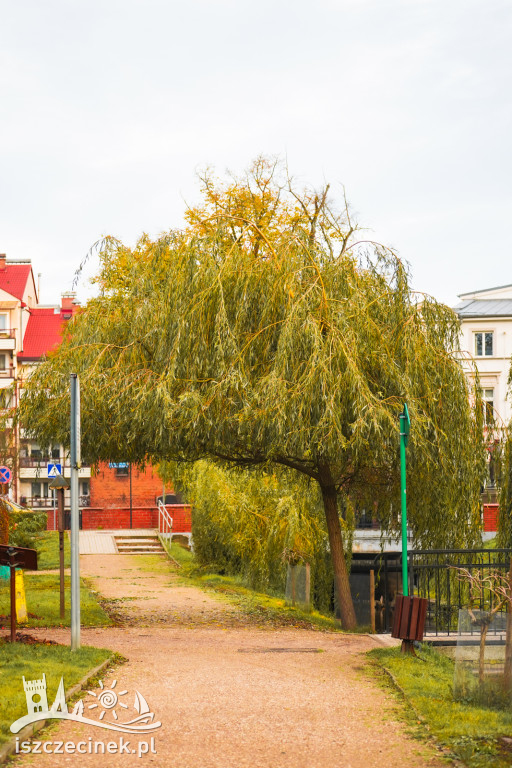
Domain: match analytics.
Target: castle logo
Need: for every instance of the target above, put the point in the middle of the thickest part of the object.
(109, 704)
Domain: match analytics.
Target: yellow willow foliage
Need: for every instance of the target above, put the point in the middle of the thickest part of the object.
(266, 332)
(253, 522)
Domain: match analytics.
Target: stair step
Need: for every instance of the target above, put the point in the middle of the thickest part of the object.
(138, 544)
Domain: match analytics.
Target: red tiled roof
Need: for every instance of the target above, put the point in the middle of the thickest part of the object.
(44, 332)
(13, 279)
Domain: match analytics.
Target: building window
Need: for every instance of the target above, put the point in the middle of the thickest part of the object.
(484, 344)
(488, 405)
(3, 361)
(36, 490)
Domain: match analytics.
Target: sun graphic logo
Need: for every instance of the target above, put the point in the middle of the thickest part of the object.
(108, 699)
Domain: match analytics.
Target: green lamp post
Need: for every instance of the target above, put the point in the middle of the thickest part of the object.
(405, 426)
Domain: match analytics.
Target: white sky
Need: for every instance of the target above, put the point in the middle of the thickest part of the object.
(107, 109)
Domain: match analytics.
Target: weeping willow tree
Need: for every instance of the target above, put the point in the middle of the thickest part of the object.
(504, 467)
(253, 522)
(266, 332)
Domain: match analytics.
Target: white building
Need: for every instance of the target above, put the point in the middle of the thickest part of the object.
(486, 318)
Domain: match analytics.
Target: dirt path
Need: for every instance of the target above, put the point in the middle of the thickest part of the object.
(230, 694)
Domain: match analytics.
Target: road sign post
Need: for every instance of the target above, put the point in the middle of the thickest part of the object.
(75, 465)
(58, 485)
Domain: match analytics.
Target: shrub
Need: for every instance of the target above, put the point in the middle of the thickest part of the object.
(23, 526)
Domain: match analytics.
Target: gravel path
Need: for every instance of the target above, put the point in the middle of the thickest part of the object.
(231, 694)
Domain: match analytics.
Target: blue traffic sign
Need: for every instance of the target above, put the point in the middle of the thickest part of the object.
(54, 469)
(118, 464)
(5, 475)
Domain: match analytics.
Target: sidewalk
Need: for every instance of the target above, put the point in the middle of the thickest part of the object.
(230, 694)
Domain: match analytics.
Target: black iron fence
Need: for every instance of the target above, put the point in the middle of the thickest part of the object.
(432, 574)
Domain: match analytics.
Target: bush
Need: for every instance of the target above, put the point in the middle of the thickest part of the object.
(23, 526)
(252, 523)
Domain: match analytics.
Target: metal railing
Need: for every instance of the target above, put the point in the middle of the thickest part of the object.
(7, 373)
(432, 575)
(37, 461)
(7, 333)
(164, 522)
(46, 502)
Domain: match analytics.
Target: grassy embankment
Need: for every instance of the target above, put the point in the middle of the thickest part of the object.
(47, 545)
(470, 732)
(31, 661)
(43, 590)
(272, 609)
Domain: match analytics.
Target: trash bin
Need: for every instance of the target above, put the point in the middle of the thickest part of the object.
(409, 620)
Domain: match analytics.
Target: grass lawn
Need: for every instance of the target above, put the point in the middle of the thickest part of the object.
(471, 732)
(268, 608)
(31, 661)
(47, 545)
(43, 600)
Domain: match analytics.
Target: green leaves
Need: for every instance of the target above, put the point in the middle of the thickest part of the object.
(260, 334)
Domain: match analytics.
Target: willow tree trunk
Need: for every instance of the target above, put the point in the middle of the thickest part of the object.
(347, 613)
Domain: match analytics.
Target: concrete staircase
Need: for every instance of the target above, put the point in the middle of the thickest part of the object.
(137, 543)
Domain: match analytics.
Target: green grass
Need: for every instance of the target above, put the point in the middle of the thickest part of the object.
(260, 605)
(471, 732)
(31, 661)
(43, 601)
(47, 545)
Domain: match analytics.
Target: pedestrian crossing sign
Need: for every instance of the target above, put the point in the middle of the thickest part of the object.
(54, 470)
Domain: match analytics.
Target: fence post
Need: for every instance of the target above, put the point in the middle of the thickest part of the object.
(372, 600)
(508, 641)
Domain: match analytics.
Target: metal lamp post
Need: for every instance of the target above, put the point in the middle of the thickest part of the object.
(405, 426)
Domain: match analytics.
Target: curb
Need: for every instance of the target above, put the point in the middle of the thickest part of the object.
(31, 729)
(167, 551)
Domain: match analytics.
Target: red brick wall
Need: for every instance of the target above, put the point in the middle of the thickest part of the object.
(111, 490)
(491, 517)
(108, 518)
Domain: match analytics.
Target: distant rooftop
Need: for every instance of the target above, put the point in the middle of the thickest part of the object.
(485, 307)
(14, 276)
(484, 290)
(45, 326)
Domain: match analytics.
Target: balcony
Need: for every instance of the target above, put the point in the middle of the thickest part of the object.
(46, 502)
(7, 373)
(7, 338)
(37, 461)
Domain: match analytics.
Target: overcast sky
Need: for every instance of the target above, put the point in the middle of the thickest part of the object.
(108, 109)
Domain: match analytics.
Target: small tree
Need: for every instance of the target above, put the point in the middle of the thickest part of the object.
(494, 588)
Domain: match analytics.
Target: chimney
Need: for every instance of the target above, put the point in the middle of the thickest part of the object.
(3, 258)
(68, 303)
